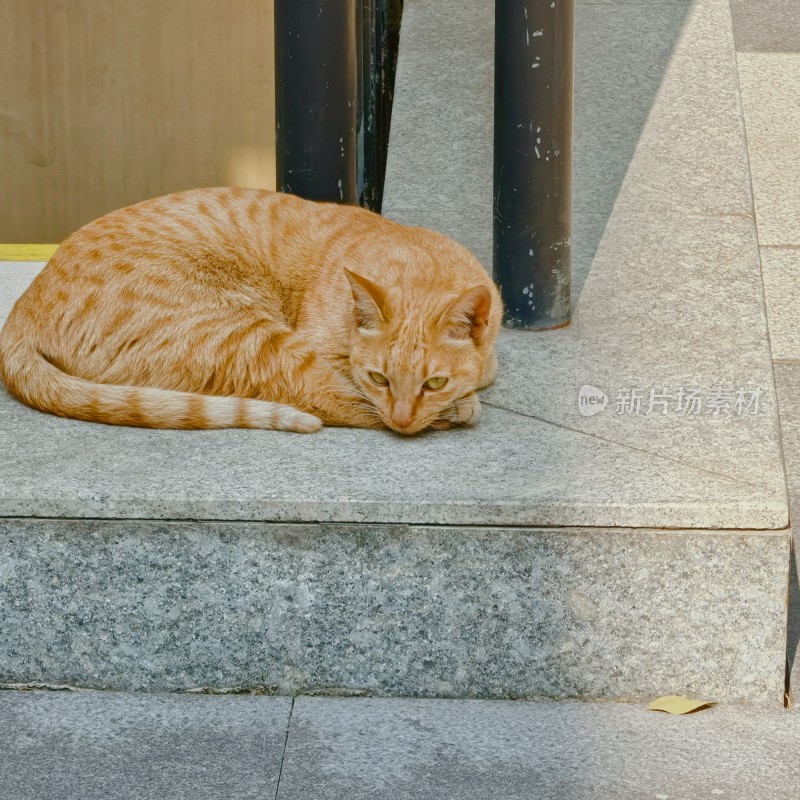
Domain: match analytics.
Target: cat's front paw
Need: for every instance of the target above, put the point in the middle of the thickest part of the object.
(465, 411)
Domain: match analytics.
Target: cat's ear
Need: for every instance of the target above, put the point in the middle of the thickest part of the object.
(369, 301)
(468, 315)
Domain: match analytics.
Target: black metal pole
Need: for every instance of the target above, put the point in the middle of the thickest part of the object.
(368, 88)
(316, 98)
(533, 160)
(380, 28)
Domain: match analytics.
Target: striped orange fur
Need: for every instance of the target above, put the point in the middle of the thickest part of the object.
(217, 308)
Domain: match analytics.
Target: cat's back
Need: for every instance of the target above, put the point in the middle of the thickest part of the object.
(203, 235)
(202, 245)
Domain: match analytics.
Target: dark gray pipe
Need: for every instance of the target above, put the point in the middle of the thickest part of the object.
(533, 160)
(317, 47)
(380, 27)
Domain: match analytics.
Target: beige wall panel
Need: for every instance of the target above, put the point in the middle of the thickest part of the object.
(107, 102)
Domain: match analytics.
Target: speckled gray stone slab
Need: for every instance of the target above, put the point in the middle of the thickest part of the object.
(668, 299)
(110, 746)
(769, 97)
(766, 25)
(398, 610)
(649, 137)
(780, 267)
(513, 468)
(671, 330)
(364, 749)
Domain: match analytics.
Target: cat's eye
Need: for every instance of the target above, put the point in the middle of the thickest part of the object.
(379, 379)
(438, 382)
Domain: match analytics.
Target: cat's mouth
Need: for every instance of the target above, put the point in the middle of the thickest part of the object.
(410, 428)
(406, 430)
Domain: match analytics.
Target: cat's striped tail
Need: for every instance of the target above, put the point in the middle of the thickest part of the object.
(34, 380)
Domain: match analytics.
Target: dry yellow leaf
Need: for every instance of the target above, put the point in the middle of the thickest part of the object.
(673, 704)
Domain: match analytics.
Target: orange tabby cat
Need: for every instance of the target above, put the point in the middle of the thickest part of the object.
(219, 308)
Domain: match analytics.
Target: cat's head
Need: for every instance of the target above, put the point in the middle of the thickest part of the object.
(414, 355)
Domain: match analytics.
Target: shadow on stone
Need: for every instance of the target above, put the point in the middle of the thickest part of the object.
(793, 628)
(613, 98)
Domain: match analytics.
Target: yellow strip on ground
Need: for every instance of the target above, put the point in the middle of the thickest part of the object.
(27, 252)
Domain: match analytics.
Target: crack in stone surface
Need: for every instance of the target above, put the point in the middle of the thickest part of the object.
(626, 446)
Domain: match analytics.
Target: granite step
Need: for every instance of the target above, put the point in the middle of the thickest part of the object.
(639, 550)
(401, 610)
(112, 746)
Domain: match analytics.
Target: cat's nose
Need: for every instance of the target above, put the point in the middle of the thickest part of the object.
(401, 415)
